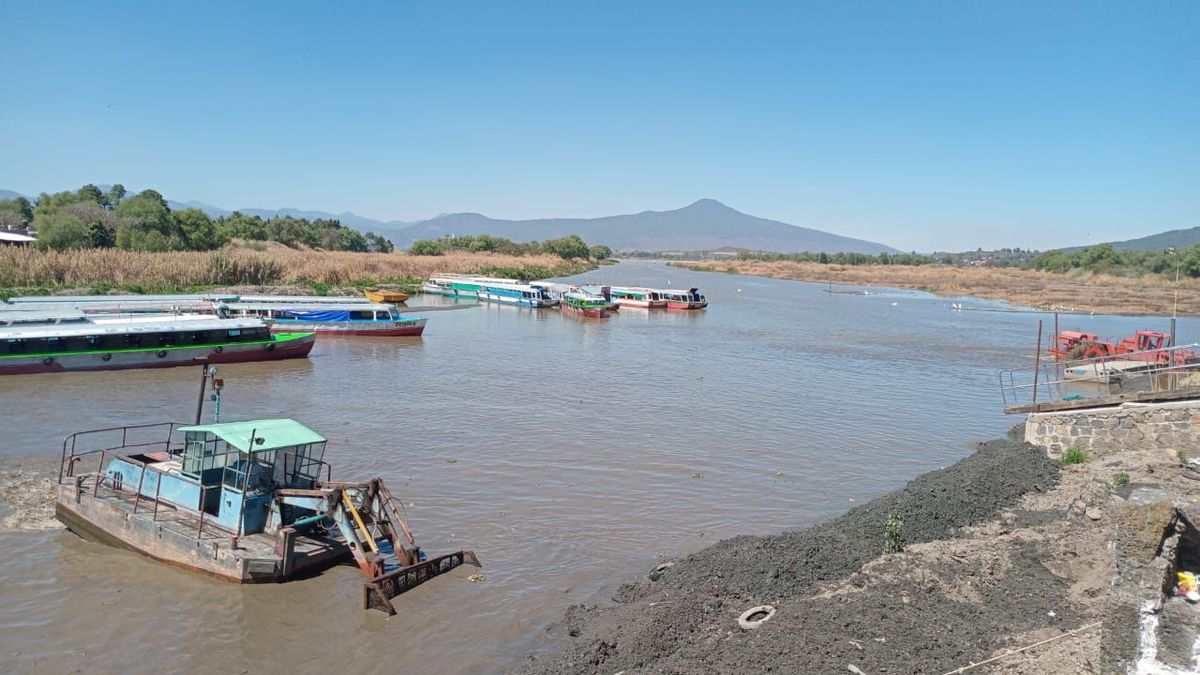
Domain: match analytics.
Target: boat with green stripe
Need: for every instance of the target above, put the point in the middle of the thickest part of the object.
(48, 341)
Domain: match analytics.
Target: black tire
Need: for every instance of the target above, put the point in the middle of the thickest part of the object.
(218, 349)
(48, 360)
(162, 353)
(271, 347)
(106, 357)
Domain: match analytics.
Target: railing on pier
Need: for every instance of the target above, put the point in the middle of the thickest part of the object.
(1128, 375)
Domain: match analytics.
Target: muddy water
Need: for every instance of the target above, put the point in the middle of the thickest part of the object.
(568, 453)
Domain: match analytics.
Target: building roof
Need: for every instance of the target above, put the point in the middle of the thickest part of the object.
(268, 434)
(13, 236)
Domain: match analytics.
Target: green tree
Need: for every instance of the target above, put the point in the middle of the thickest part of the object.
(599, 252)
(91, 193)
(570, 246)
(12, 215)
(115, 194)
(60, 231)
(197, 229)
(379, 244)
(425, 247)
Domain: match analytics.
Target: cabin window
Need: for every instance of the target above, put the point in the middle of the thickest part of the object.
(362, 316)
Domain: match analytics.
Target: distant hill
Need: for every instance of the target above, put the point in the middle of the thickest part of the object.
(705, 225)
(1162, 241)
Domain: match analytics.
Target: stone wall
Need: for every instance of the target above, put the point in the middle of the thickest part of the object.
(1099, 430)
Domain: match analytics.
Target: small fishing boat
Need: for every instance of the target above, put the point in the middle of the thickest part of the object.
(248, 502)
(359, 318)
(66, 339)
(684, 299)
(586, 304)
(629, 296)
(527, 295)
(383, 295)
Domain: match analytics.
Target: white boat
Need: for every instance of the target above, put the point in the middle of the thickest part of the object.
(526, 295)
(632, 296)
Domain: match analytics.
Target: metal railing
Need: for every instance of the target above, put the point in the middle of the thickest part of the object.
(1152, 371)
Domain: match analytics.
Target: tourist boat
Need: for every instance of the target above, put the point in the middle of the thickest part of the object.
(202, 303)
(683, 299)
(628, 296)
(460, 285)
(359, 318)
(526, 295)
(65, 339)
(385, 296)
(246, 502)
(587, 304)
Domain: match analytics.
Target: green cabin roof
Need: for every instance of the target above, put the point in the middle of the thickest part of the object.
(277, 433)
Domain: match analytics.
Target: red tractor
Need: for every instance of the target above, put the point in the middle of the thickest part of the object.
(1145, 345)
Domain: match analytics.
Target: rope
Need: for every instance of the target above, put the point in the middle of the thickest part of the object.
(1021, 649)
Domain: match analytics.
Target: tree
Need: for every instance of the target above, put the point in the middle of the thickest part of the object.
(600, 252)
(115, 194)
(379, 244)
(141, 214)
(61, 232)
(12, 216)
(570, 246)
(425, 247)
(197, 229)
(91, 193)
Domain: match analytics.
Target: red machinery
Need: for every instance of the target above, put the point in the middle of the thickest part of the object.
(1145, 345)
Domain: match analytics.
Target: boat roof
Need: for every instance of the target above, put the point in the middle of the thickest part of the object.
(114, 299)
(269, 434)
(127, 324)
(304, 299)
(633, 289)
(513, 286)
(304, 307)
(583, 295)
(13, 314)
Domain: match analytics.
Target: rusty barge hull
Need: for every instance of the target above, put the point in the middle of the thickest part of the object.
(172, 537)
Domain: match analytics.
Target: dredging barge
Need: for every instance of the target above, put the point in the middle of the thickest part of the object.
(247, 502)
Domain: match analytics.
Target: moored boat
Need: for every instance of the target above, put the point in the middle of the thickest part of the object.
(526, 295)
(630, 296)
(360, 318)
(460, 285)
(385, 296)
(586, 304)
(683, 299)
(45, 341)
(246, 502)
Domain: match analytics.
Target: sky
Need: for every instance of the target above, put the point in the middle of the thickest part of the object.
(923, 125)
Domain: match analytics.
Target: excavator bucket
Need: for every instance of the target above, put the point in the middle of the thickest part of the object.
(373, 525)
(378, 592)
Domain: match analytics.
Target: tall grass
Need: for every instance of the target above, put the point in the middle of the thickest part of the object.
(1077, 290)
(243, 266)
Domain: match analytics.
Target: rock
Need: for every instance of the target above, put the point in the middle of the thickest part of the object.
(1094, 513)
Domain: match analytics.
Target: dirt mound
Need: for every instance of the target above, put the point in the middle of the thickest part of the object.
(917, 621)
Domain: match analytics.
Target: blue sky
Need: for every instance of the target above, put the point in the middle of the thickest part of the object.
(923, 125)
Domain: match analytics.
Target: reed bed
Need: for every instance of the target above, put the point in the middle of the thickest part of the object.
(239, 265)
(1072, 291)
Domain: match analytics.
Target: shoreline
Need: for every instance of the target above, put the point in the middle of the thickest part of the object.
(1002, 550)
(1040, 291)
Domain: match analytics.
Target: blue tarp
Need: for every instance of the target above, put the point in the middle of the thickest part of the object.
(322, 315)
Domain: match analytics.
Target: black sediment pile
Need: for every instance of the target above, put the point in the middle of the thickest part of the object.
(686, 621)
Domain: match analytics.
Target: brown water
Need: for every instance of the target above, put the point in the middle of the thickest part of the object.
(568, 453)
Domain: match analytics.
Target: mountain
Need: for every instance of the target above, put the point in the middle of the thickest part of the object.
(705, 225)
(9, 194)
(1162, 241)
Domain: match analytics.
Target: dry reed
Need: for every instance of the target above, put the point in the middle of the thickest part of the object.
(1077, 291)
(238, 265)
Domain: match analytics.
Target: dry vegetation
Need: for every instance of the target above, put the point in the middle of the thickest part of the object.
(1084, 292)
(257, 265)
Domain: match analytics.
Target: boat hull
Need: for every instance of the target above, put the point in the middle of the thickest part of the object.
(448, 292)
(589, 313)
(385, 296)
(285, 347)
(680, 304)
(411, 327)
(110, 521)
(644, 304)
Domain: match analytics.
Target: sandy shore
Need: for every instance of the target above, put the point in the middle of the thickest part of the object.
(1003, 550)
(1078, 292)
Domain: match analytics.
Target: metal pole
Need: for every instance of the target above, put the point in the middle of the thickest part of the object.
(1037, 362)
(203, 381)
(1173, 379)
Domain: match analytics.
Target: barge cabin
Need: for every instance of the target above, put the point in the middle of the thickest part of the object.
(585, 304)
(627, 296)
(526, 295)
(684, 299)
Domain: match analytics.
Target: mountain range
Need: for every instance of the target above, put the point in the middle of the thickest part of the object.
(704, 225)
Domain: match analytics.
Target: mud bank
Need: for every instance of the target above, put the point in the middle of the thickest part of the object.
(985, 583)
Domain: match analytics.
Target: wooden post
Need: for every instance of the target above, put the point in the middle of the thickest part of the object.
(1037, 362)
